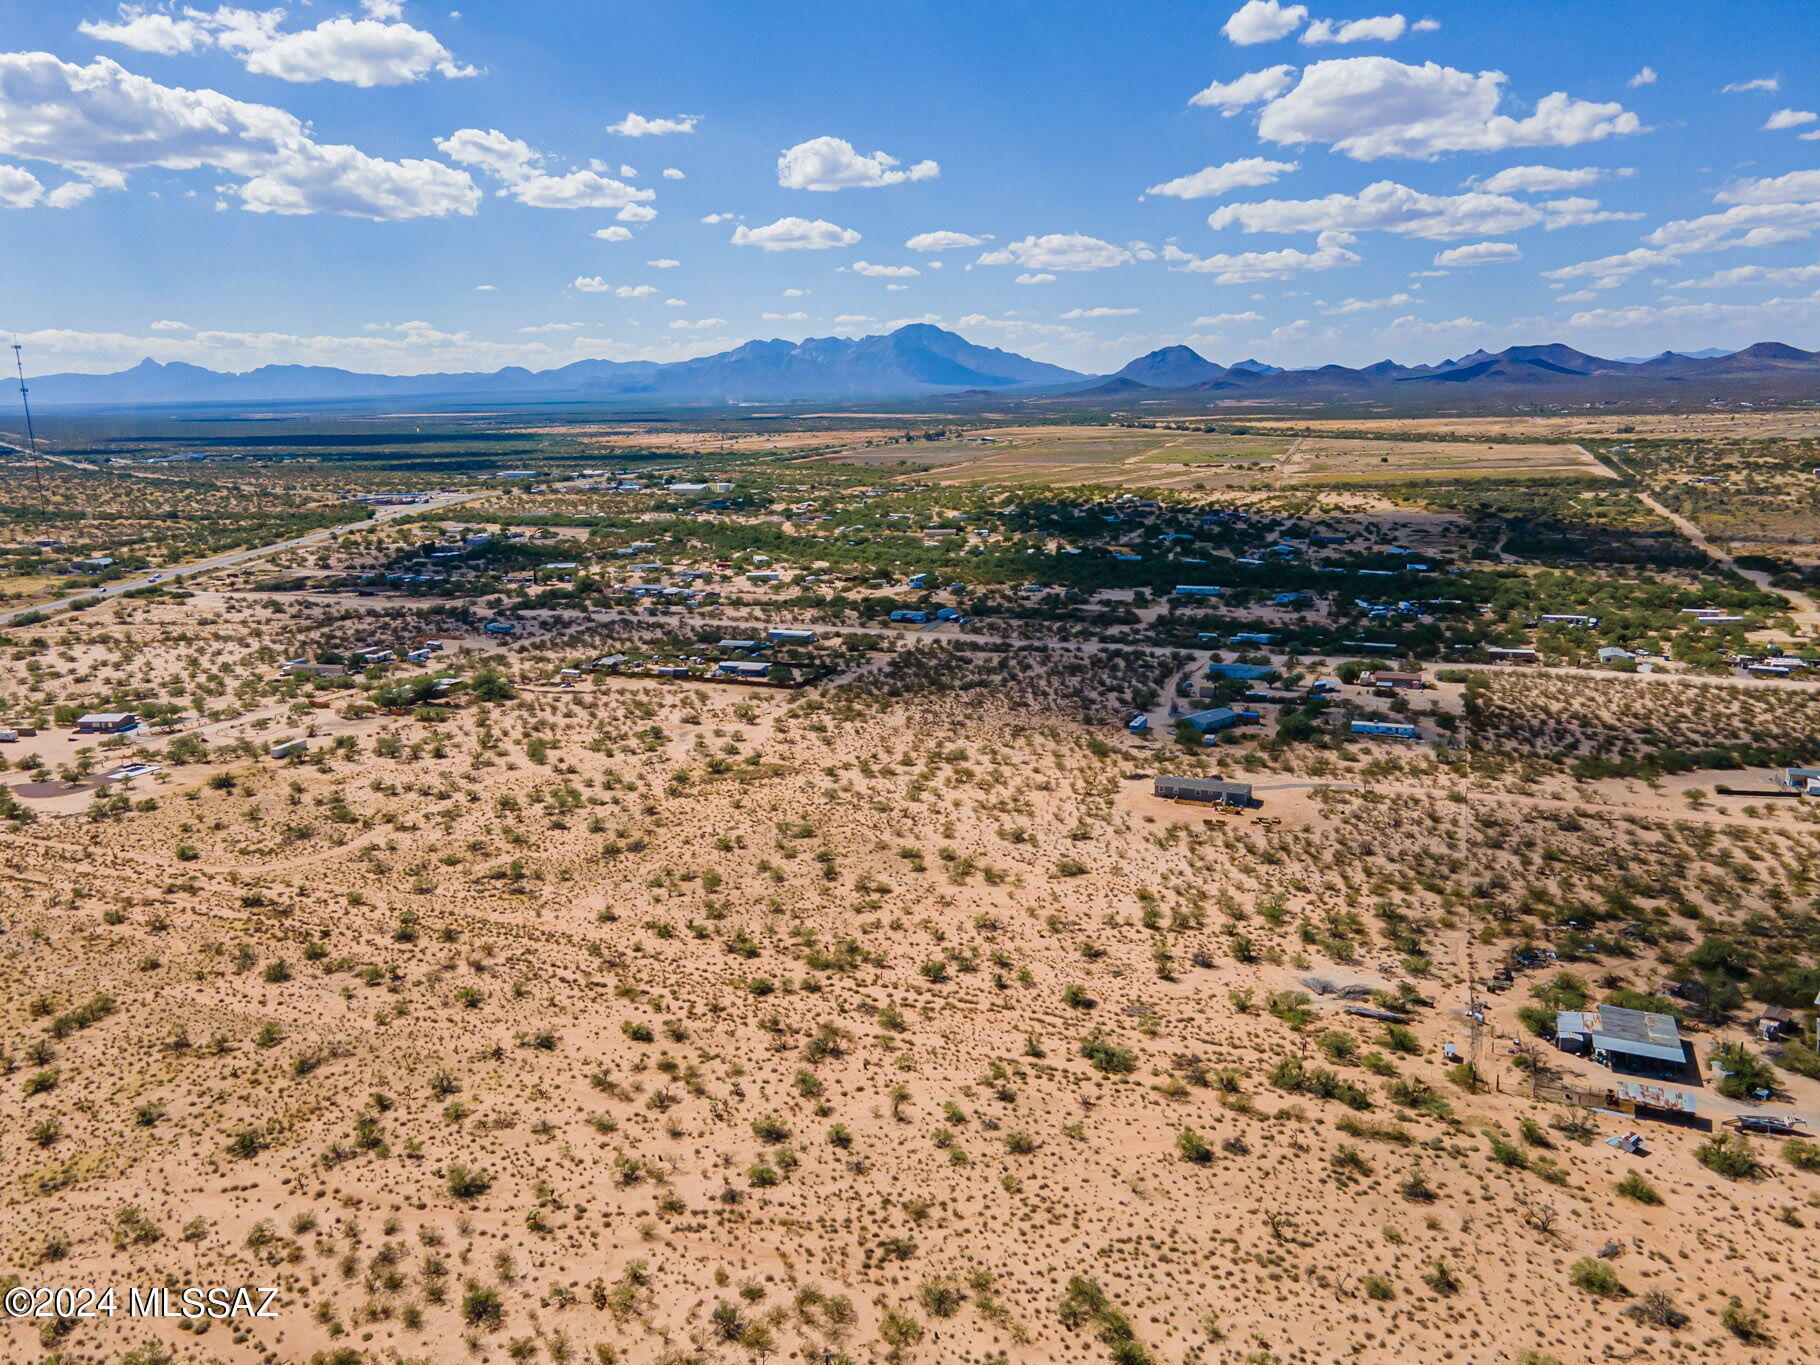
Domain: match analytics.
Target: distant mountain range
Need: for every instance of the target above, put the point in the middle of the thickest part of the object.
(913, 360)
(921, 361)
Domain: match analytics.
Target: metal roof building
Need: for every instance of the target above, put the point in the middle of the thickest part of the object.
(1614, 1034)
(1206, 722)
(1209, 789)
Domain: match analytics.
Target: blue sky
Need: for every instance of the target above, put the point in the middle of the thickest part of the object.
(400, 186)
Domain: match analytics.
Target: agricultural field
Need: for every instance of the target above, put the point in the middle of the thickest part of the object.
(1081, 456)
(1332, 460)
(1171, 457)
(1769, 424)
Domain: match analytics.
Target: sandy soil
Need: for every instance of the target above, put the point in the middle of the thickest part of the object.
(648, 1023)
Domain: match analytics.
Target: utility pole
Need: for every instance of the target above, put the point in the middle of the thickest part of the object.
(31, 438)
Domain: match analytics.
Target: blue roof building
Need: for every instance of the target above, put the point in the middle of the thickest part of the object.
(1209, 722)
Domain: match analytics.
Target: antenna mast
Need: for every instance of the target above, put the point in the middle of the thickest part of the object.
(31, 437)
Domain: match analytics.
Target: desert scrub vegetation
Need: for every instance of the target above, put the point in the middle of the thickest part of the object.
(1624, 728)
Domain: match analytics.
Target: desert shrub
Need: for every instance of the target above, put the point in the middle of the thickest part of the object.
(468, 1182)
(1745, 1071)
(1636, 1186)
(1744, 1323)
(1802, 1154)
(1595, 1277)
(1107, 1057)
(1193, 1147)
(481, 1306)
(1730, 1157)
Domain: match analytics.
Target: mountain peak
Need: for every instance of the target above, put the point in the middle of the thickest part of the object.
(1171, 367)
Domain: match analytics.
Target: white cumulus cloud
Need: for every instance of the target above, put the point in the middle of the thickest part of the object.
(149, 31)
(1252, 88)
(1795, 187)
(1373, 107)
(19, 188)
(101, 121)
(1252, 267)
(1263, 21)
(371, 51)
(1074, 313)
(1540, 179)
(1743, 275)
(831, 163)
(1579, 212)
(1381, 28)
(795, 234)
(1060, 251)
(363, 52)
(489, 150)
(943, 241)
(577, 190)
(1609, 271)
(884, 271)
(637, 125)
(1233, 175)
(515, 165)
(1479, 253)
(1745, 225)
(594, 284)
(1784, 119)
(1349, 306)
(1385, 206)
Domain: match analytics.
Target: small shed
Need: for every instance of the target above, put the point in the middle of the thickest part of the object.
(1212, 790)
(1773, 1022)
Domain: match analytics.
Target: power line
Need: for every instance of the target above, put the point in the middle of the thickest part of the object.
(31, 437)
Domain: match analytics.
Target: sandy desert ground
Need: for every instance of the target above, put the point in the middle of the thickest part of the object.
(888, 1020)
